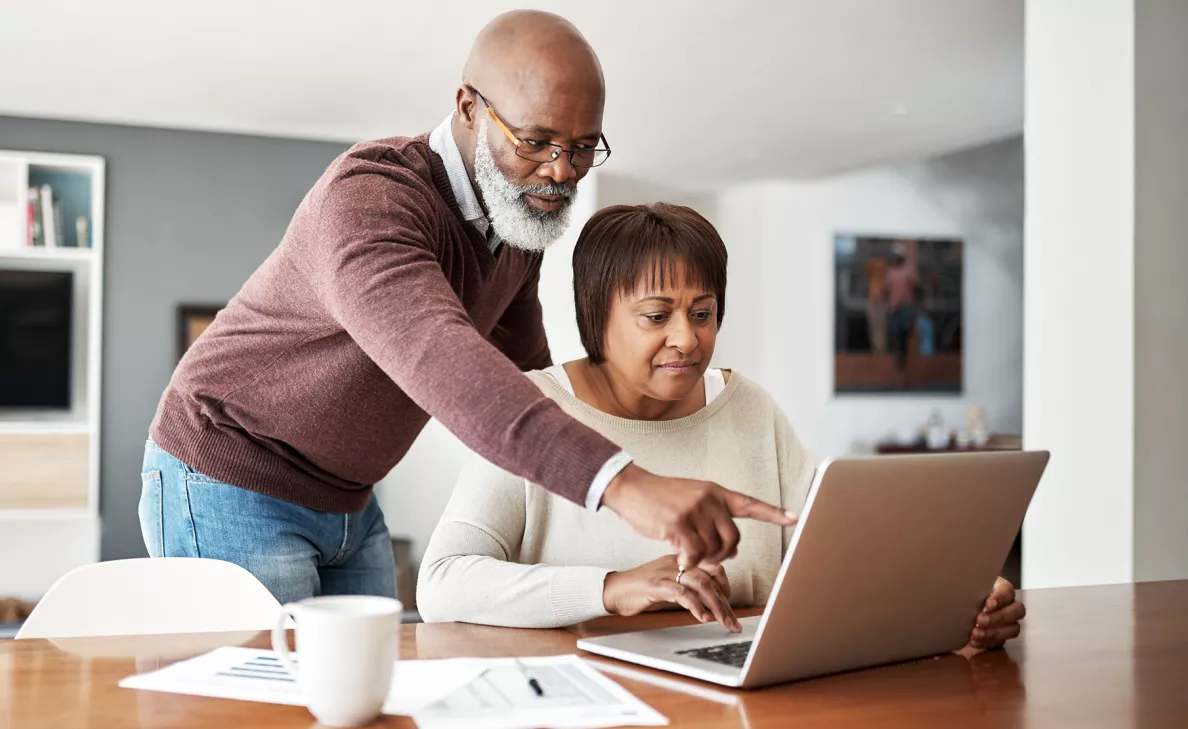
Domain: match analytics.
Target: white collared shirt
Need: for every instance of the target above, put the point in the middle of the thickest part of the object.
(441, 141)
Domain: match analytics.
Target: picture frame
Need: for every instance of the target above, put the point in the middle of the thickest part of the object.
(898, 311)
(192, 320)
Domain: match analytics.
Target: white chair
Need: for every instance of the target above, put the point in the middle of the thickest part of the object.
(149, 596)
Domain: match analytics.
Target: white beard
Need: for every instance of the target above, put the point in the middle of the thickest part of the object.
(512, 218)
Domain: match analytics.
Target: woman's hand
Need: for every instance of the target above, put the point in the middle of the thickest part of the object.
(999, 619)
(703, 591)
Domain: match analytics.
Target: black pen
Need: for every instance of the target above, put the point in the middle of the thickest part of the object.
(531, 681)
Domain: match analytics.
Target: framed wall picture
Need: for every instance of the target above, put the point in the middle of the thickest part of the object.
(898, 314)
(192, 320)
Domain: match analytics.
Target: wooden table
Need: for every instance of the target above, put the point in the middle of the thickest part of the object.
(1089, 657)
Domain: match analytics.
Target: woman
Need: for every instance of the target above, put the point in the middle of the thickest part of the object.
(650, 291)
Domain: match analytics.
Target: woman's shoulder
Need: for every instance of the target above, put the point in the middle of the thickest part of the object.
(553, 383)
(745, 388)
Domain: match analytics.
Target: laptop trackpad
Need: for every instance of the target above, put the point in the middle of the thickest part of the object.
(668, 641)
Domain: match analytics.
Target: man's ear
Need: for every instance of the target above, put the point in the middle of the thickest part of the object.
(467, 107)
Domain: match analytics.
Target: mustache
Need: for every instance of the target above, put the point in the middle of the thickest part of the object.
(566, 191)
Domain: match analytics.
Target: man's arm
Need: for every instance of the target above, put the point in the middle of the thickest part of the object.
(369, 253)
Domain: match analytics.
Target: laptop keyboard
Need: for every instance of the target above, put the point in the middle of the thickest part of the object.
(730, 654)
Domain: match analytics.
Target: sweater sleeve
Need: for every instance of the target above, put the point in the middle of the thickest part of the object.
(371, 260)
(469, 572)
(796, 469)
(520, 333)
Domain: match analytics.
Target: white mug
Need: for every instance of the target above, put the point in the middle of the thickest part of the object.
(346, 646)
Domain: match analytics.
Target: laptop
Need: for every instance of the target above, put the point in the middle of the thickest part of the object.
(892, 560)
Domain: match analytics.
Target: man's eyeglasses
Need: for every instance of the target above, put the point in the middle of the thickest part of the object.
(541, 152)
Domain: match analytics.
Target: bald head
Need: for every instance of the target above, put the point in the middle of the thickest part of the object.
(526, 52)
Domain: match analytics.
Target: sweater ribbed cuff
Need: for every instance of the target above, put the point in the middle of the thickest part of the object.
(576, 594)
(574, 454)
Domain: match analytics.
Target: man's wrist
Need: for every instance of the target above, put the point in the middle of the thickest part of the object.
(621, 480)
(611, 469)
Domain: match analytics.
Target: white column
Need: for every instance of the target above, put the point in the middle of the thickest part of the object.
(1078, 292)
(1102, 215)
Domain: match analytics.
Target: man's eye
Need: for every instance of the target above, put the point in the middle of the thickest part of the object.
(534, 143)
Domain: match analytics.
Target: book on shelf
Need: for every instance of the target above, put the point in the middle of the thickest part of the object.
(46, 226)
(59, 229)
(36, 234)
(48, 219)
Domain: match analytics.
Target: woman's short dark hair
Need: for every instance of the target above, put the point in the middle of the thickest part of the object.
(622, 246)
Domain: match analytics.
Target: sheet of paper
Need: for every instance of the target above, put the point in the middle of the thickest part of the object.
(575, 696)
(250, 674)
(458, 693)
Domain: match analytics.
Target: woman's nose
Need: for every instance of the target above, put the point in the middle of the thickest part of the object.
(681, 336)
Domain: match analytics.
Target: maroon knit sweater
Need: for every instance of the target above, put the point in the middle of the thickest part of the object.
(380, 308)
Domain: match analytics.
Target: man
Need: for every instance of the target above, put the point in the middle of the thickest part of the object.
(404, 284)
(901, 284)
(875, 271)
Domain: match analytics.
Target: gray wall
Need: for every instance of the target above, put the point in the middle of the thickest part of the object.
(189, 217)
(1161, 299)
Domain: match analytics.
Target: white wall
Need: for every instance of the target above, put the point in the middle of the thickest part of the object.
(779, 320)
(1079, 317)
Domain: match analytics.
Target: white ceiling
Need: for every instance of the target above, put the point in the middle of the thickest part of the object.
(699, 91)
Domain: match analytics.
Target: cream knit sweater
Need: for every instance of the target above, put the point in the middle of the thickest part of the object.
(509, 553)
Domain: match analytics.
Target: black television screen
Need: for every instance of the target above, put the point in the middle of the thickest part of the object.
(36, 311)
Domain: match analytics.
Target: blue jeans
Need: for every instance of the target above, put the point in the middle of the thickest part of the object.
(296, 552)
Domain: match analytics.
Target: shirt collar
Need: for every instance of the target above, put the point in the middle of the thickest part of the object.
(441, 141)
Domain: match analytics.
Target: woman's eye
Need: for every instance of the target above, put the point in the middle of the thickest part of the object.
(701, 315)
(656, 318)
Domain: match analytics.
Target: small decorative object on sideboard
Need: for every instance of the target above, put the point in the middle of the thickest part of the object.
(937, 436)
(934, 437)
(975, 425)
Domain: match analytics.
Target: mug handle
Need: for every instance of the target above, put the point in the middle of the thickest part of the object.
(280, 641)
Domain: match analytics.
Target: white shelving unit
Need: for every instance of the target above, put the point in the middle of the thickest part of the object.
(50, 254)
(49, 495)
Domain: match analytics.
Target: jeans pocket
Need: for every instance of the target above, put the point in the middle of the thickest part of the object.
(151, 511)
